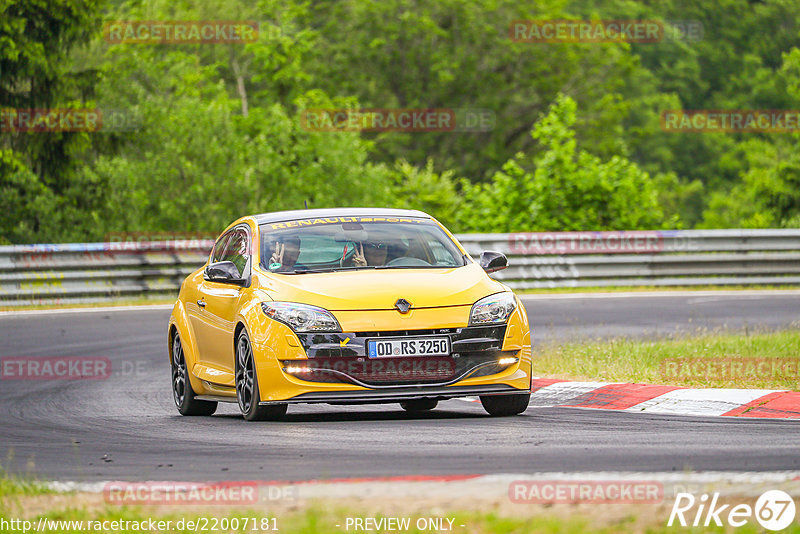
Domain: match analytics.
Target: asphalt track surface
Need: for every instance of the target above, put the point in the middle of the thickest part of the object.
(126, 427)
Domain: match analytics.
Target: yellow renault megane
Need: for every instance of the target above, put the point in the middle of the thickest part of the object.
(346, 306)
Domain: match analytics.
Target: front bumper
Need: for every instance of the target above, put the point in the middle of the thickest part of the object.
(336, 368)
(278, 386)
(342, 358)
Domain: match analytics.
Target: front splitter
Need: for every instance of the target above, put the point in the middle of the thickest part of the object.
(398, 395)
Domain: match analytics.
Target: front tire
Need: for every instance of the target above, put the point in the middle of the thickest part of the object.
(182, 392)
(504, 405)
(247, 393)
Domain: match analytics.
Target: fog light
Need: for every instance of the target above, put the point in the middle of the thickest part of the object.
(297, 369)
(506, 361)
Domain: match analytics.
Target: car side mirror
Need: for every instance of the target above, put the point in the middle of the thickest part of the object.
(224, 272)
(492, 261)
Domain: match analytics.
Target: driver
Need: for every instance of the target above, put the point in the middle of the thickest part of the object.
(370, 253)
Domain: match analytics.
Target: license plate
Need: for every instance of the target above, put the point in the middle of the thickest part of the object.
(420, 346)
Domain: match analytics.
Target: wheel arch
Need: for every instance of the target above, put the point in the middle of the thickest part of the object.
(171, 339)
(238, 330)
(179, 322)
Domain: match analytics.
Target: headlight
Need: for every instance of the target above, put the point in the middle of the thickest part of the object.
(493, 309)
(301, 317)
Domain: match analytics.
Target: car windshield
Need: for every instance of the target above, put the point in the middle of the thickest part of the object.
(350, 243)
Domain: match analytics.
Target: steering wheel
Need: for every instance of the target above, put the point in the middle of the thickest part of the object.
(404, 261)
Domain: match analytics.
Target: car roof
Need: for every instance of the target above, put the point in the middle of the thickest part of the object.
(291, 215)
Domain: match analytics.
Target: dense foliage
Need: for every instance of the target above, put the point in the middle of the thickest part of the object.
(214, 131)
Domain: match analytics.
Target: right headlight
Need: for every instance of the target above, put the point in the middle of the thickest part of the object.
(301, 317)
(493, 309)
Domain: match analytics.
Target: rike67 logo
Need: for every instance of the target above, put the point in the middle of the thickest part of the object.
(774, 510)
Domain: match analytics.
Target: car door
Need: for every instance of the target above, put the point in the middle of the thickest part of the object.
(217, 304)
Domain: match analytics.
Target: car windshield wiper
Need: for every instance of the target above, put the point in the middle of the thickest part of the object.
(331, 270)
(305, 271)
(416, 266)
(354, 268)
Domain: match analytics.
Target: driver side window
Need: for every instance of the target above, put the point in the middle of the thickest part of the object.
(219, 248)
(237, 248)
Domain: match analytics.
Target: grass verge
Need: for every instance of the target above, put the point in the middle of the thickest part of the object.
(768, 360)
(73, 512)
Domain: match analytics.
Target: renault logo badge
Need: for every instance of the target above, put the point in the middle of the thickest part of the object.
(402, 305)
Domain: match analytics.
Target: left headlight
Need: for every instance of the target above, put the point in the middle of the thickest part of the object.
(493, 309)
(302, 317)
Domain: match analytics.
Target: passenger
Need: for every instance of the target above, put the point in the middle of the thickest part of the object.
(371, 253)
(286, 250)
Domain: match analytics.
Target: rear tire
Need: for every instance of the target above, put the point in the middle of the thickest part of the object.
(419, 405)
(182, 392)
(504, 405)
(247, 393)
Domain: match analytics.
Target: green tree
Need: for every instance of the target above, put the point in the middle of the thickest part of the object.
(37, 175)
(768, 192)
(197, 162)
(425, 189)
(458, 54)
(562, 187)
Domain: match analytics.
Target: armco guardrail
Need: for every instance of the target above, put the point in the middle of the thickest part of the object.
(88, 272)
(645, 258)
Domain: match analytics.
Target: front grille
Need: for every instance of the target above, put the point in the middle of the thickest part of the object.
(381, 371)
(394, 371)
(463, 340)
(401, 333)
(342, 358)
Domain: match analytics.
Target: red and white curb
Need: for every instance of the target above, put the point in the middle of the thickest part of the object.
(668, 400)
(477, 486)
(664, 400)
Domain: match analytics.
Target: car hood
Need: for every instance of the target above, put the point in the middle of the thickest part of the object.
(380, 289)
